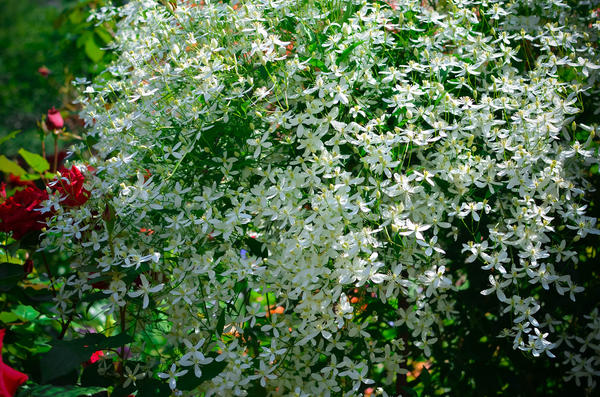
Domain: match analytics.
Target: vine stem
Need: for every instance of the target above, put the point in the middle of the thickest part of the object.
(122, 313)
(65, 327)
(44, 146)
(401, 380)
(55, 162)
(49, 274)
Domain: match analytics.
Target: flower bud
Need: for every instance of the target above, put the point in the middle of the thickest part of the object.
(54, 120)
(43, 71)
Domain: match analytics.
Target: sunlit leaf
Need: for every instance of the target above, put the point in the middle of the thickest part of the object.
(35, 161)
(10, 167)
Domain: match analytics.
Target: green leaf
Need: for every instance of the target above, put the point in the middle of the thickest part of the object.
(189, 381)
(83, 38)
(10, 167)
(9, 136)
(255, 247)
(33, 177)
(66, 356)
(95, 296)
(35, 161)
(62, 391)
(410, 391)
(425, 376)
(103, 34)
(75, 16)
(257, 390)
(346, 53)
(63, 358)
(10, 275)
(318, 64)
(92, 50)
(347, 13)
(240, 286)
(26, 313)
(101, 342)
(91, 140)
(151, 387)
(312, 37)
(12, 259)
(7, 317)
(91, 377)
(244, 106)
(220, 324)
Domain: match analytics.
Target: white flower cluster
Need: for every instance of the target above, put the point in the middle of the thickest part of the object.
(262, 168)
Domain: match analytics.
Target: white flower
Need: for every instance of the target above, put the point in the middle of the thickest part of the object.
(496, 287)
(195, 357)
(132, 376)
(145, 290)
(414, 228)
(172, 375)
(260, 143)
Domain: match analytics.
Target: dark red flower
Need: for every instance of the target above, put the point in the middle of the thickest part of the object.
(15, 180)
(44, 71)
(54, 120)
(10, 378)
(28, 266)
(18, 213)
(104, 284)
(107, 214)
(70, 187)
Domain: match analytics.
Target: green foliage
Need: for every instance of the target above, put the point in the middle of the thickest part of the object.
(56, 36)
(10, 167)
(66, 356)
(189, 381)
(62, 391)
(35, 161)
(10, 275)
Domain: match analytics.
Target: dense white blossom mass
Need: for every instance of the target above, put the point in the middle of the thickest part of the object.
(288, 153)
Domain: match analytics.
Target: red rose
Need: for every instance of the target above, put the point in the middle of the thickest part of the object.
(54, 120)
(70, 187)
(10, 378)
(18, 213)
(15, 180)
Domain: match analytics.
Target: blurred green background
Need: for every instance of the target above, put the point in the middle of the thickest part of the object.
(50, 34)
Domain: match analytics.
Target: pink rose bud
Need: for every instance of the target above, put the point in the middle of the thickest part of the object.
(44, 71)
(54, 121)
